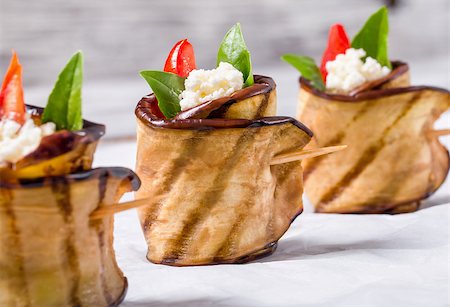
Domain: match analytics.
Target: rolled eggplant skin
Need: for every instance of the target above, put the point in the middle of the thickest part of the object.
(220, 200)
(391, 163)
(52, 254)
(217, 199)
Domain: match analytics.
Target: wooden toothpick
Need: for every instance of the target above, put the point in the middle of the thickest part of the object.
(305, 154)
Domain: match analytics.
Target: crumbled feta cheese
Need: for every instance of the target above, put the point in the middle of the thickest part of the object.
(18, 141)
(348, 71)
(203, 85)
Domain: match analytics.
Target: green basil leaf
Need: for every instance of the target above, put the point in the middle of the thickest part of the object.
(373, 37)
(64, 103)
(307, 67)
(167, 88)
(233, 50)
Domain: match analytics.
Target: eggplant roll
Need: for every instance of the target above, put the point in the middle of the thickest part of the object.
(392, 161)
(60, 153)
(52, 253)
(217, 198)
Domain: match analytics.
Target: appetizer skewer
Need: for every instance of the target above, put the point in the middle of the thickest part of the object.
(214, 163)
(394, 158)
(53, 253)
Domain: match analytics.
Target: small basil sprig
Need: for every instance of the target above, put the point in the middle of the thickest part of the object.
(233, 50)
(373, 37)
(307, 67)
(64, 103)
(167, 88)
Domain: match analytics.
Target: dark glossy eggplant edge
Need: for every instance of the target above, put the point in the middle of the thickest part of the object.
(59, 142)
(100, 172)
(143, 113)
(374, 93)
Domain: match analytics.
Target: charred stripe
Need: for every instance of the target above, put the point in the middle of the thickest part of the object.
(189, 148)
(230, 241)
(61, 192)
(263, 106)
(336, 140)
(15, 245)
(100, 228)
(368, 156)
(209, 200)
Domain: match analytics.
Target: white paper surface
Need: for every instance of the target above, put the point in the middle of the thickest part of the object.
(323, 260)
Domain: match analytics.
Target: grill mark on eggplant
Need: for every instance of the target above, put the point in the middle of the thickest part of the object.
(220, 112)
(99, 226)
(336, 140)
(229, 245)
(61, 191)
(367, 157)
(230, 241)
(209, 200)
(16, 242)
(378, 204)
(263, 106)
(190, 146)
(102, 183)
(315, 162)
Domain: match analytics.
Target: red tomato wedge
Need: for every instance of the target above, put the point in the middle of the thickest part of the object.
(181, 59)
(337, 43)
(12, 105)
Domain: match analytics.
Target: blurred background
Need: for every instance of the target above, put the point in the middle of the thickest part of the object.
(120, 37)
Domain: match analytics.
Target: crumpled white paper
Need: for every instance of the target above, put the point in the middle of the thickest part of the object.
(323, 260)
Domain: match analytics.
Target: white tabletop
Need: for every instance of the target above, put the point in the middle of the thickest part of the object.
(323, 260)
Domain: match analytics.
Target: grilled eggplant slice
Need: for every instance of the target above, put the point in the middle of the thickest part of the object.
(218, 198)
(392, 160)
(52, 253)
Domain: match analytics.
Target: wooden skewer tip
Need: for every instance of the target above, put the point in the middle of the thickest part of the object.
(437, 133)
(305, 153)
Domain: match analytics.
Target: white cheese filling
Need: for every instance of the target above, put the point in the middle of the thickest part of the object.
(348, 71)
(18, 141)
(203, 85)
